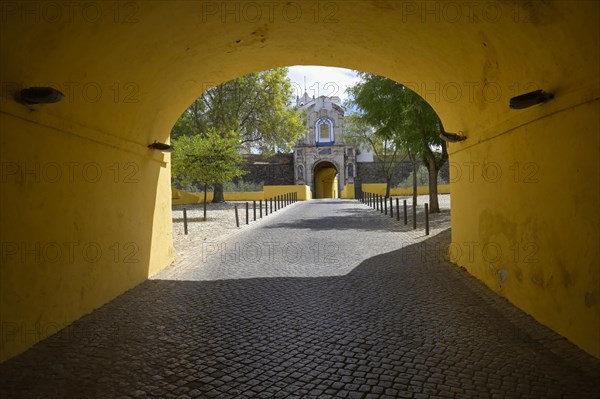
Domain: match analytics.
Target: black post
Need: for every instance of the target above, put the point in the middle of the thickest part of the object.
(381, 201)
(405, 213)
(260, 207)
(391, 207)
(185, 230)
(254, 209)
(377, 201)
(426, 219)
(271, 205)
(385, 205)
(397, 209)
(414, 212)
(237, 217)
(247, 213)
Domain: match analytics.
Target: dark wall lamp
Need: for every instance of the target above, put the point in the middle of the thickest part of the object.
(161, 147)
(39, 95)
(530, 99)
(452, 137)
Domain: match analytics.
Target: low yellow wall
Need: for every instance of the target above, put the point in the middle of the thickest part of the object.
(348, 191)
(180, 197)
(304, 192)
(379, 188)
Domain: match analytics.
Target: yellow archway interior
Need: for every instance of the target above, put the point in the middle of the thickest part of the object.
(86, 205)
(325, 180)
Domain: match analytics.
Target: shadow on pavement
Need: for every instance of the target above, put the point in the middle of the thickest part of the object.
(401, 322)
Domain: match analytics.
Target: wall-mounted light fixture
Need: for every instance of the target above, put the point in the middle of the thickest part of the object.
(39, 95)
(161, 147)
(452, 137)
(530, 99)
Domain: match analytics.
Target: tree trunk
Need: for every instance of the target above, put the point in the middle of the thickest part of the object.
(205, 190)
(218, 193)
(388, 184)
(434, 205)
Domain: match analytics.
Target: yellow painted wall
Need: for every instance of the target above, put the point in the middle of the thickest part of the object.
(326, 182)
(130, 73)
(70, 239)
(180, 197)
(528, 232)
(348, 191)
(379, 188)
(303, 192)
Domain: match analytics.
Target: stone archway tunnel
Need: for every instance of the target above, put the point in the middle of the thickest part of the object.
(85, 204)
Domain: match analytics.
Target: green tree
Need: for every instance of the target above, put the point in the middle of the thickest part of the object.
(401, 116)
(388, 151)
(255, 107)
(206, 159)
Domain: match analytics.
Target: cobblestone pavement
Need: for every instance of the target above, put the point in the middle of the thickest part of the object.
(314, 239)
(403, 323)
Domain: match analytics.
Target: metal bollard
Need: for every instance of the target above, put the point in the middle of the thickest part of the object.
(381, 200)
(426, 219)
(260, 207)
(247, 213)
(185, 229)
(254, 209)
(237, 217)
(397, 209)
(405, 213)
(414, 212)
(391, 207)
(385, 205)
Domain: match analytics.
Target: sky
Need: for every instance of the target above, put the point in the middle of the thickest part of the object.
(322, 81)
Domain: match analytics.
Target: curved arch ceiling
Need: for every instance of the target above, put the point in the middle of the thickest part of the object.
(466, 59)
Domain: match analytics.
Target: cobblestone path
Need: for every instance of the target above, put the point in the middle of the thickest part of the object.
(324, 299)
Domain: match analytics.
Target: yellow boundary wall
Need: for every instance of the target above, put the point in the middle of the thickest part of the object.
(180, 197)
(379, 188)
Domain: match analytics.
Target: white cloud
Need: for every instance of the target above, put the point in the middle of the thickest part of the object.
(322, 81)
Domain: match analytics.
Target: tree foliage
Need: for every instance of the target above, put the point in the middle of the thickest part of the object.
(255, 106)
(388, 151)
(206, 159)
(399, 116)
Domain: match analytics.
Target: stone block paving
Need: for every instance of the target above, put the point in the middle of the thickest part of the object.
(398, 325)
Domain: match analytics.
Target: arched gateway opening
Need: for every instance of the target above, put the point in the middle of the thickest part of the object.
(326, 180)
(80, 170)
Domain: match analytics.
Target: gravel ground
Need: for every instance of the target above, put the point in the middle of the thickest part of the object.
(220, 221)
